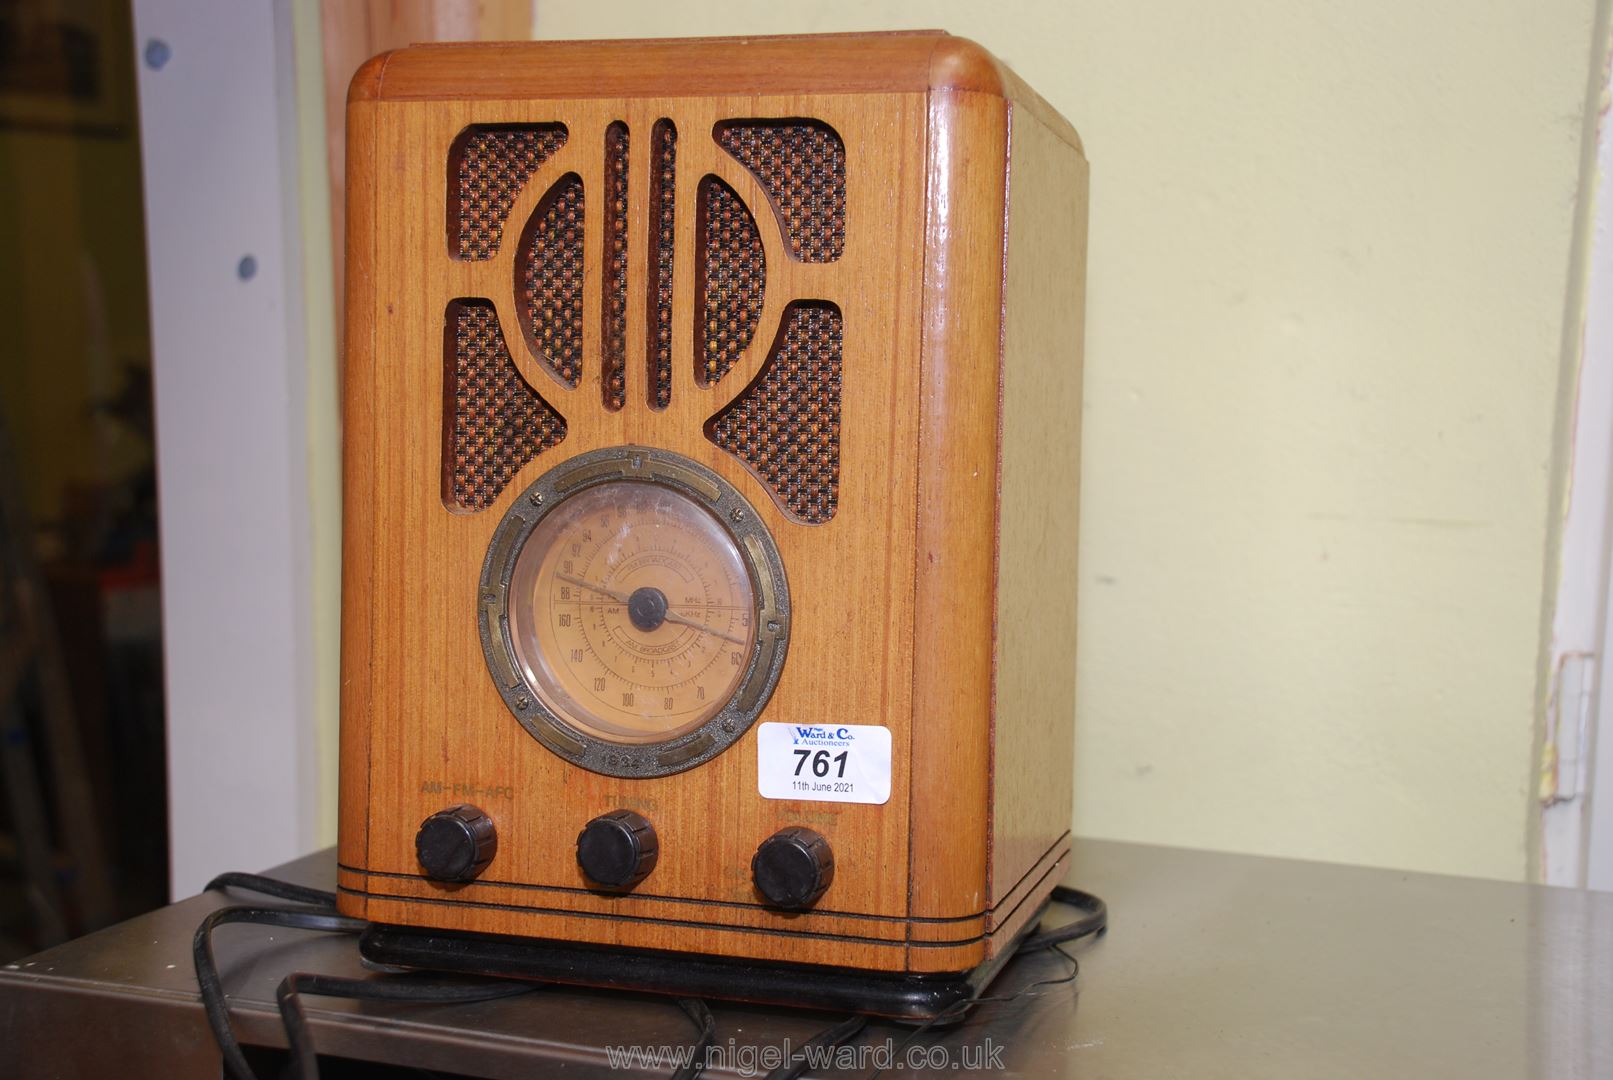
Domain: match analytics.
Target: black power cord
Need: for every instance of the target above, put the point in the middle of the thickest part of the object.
(268, 886)
(1092, 920)
(697, 1011)
(827, 1039)
(300, 1040)
(319, 913)
(212, 988)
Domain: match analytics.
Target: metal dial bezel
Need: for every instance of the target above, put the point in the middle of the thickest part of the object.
(768, 584)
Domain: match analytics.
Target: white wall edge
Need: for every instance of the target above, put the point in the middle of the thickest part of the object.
(230, 382)
(1576, 828)
(1598, 839)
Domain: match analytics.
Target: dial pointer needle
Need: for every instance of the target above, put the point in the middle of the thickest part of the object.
(620, 598)
(671, 616)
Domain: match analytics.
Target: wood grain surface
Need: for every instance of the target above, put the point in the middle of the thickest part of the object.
(895, 598)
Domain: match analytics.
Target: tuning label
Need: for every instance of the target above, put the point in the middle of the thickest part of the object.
(824, 762)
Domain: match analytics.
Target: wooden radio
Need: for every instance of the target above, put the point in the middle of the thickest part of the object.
(712, 427)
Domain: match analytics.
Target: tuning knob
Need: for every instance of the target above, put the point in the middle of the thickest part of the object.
(617, 850)
(793, 867)
(456, 844)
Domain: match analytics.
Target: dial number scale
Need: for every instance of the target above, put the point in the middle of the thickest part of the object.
(634, 612)
(631, 612)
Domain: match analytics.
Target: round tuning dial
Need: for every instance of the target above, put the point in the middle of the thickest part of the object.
(793, 867)
(617, 850)
(456, 844)
(634, 612)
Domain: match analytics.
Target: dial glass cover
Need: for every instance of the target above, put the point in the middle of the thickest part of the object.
(631, 612)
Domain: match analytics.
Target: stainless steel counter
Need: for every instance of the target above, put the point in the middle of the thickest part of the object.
(1214, 966)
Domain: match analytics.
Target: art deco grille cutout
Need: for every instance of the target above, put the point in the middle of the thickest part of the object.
(613, 336)
(487, 168)
(733, 277)
(784, 424)
(494, 421)
(801, 164)
(663, 205)
(549, 279)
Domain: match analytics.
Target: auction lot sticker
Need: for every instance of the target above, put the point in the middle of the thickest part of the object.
(824, 762)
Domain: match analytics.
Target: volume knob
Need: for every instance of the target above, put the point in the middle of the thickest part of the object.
(617, 850)
(456, 844)
(793, 867)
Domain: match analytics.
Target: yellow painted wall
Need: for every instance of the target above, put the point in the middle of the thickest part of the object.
(323, 403)
(1331, 254)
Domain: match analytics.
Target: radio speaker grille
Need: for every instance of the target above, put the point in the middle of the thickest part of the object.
(550, 269)
(801, 164)
(663, 190)
(613, 340)
(493, 421)
(487, 168)
(786, 424)
(733, 276)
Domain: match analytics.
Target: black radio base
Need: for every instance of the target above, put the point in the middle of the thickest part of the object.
(903, 997)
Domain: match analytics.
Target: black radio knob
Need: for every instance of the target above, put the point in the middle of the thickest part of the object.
(456, 844)
(617, 850)
(793, 867)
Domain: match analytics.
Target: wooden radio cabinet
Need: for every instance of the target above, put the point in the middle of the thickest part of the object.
(710, 404)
